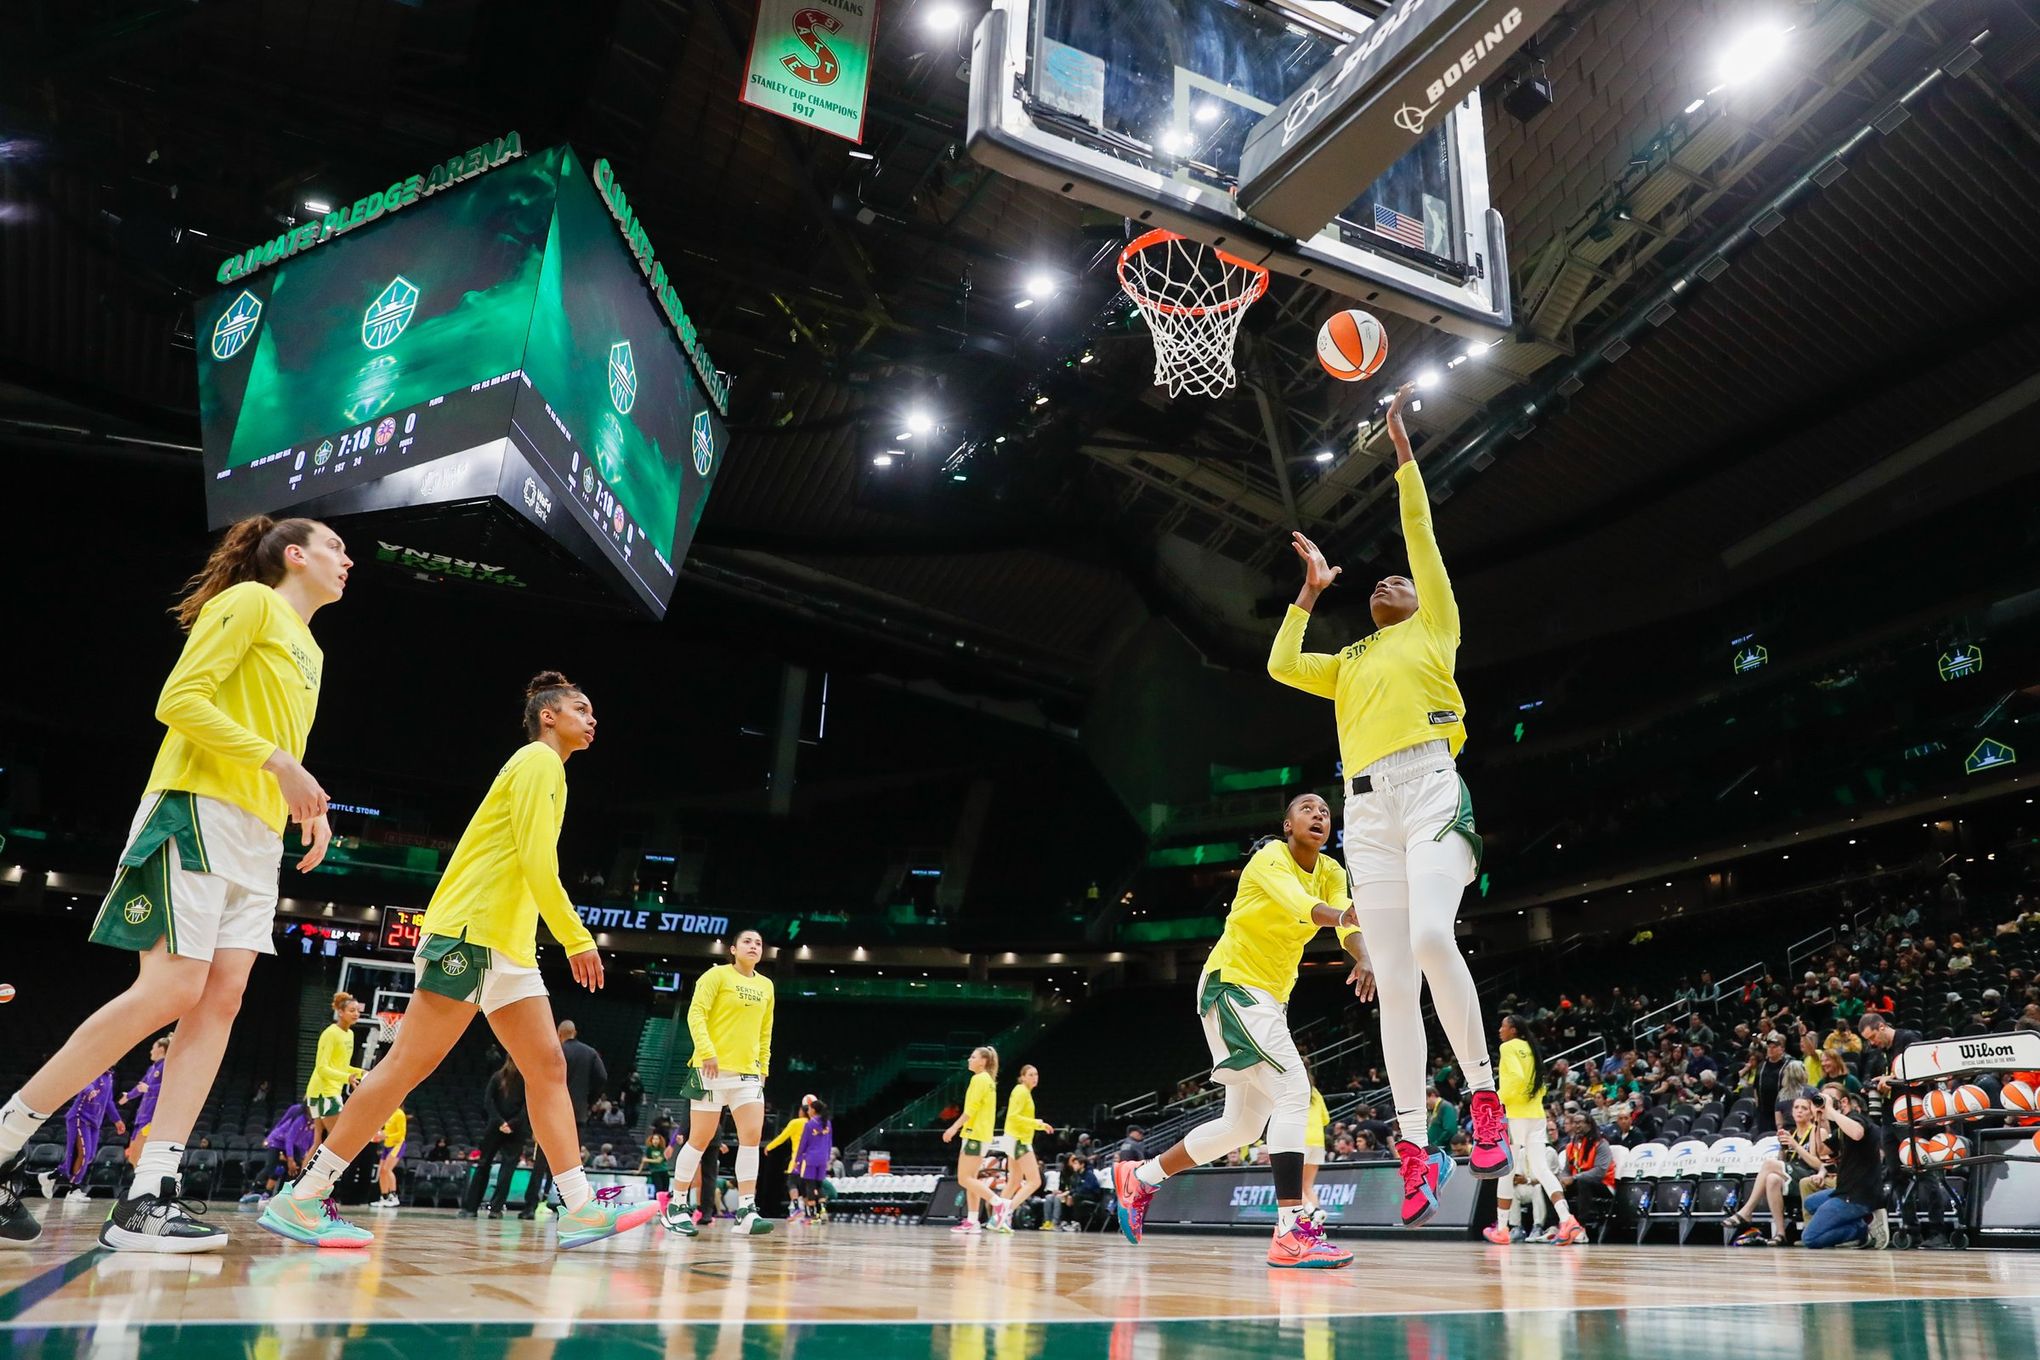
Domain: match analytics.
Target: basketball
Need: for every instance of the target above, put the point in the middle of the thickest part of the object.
(1351, 346)
(6, 992)
(1925, 1151)
(2019, 1095)
(1941, 1104)
(1969, 1100)
(1906, 1109)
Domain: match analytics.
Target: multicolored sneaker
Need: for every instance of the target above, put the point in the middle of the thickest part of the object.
(1304, 1247)
(965, 1227)
(1497, 1234)
(677, 1216)
(606, 1215)
(315, 1222)
(1423, 1173)
(18, 1227)
(1569, 1234)
(1133, 1195)
(1490, 1159)
(750, 1223)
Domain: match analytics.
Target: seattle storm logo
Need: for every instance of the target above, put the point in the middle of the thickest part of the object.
(389, 314)
(236, 326)
(454, 964)
(704, 443)
(622, 378)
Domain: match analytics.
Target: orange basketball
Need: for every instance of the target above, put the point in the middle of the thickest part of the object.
(1940, 1104)
(1917, 1151)
(1351, 346)
(1969, 1100)
(2036, 1142)
(2020, 1096)
(1906, 1109)
(1952, 1148)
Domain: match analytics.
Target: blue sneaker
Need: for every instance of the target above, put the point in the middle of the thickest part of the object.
(601, 1217)
(314, 1222)
(1424, 1173)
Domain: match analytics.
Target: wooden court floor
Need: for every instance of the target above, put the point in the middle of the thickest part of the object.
(446, 1289)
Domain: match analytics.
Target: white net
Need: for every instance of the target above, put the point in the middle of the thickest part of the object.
(1194, 297)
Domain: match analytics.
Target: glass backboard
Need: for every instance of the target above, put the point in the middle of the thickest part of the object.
(1142, 107)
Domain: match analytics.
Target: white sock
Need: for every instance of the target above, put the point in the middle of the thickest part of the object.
(1150, 1172)
(1558, 1203)
(1286, 1216)
(17, 1124)
(685, 1165)
(573, 1187)
(159, 1159)
(1505, 1210)
(320, 1176)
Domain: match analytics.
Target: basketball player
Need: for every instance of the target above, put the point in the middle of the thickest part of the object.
(730, 1020)
(1522, 1095)
(1289, 891)
(392, 1156)
(145, 1094)
(1410, 843)
(333, 1071)
(477, 951)
(83, 1123)
(1021, 1126)
(791, 1134)
(195, 894)
(980, 1110)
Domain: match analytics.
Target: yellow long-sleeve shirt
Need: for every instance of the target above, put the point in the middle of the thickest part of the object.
(1393, 689)
(1518, 1083)
(332, 1065)
(1021, 1125)
(980, 1107)
(245, 686)
(1314, 1126)
(730, 1020)
(505, 873)
(1270, 921)
(393, 1131)
(795, 1127)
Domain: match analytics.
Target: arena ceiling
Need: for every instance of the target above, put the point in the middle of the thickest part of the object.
(847, 286)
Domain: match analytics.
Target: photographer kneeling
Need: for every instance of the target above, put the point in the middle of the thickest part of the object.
(1854, 1209)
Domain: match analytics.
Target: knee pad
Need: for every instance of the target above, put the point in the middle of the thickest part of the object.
(747, 1164)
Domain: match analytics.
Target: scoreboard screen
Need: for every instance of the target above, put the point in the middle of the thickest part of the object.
(494, 340)
(400, 930)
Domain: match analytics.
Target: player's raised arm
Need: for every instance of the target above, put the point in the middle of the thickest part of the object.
(1312, 672)
(1436, 608)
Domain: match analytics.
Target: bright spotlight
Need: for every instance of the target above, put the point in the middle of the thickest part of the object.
(920, 423)
(1324, 455)
(1751, 53)
(1175, 141)
(1427, 378)
(1041, 286)
(319, 206)
(882, 460)
(1207, 112)
(943, 18)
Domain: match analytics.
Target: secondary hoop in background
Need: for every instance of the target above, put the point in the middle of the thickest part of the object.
(1194, 297)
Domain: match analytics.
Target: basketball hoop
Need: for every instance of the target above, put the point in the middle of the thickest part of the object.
(1194, 297)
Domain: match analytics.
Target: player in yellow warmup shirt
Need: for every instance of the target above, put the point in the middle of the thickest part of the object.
(1021, 1126)
(1410, 844)
(333, 1069)
(195, 892)
(393, 1131)
(730, 1021)
(980, 1110)
(1522, 1088)
(478, 951)
(1290, 890)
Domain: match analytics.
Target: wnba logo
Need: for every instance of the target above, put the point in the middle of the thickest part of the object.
(825, 67)
(137, 910)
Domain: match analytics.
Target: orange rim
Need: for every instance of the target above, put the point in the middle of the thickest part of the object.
(1162, 235)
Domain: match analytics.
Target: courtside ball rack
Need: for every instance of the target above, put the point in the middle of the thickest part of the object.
(1194, 297)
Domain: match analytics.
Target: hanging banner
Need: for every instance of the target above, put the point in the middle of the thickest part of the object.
(811, 62)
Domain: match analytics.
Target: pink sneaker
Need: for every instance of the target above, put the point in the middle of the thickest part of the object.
(1304, 1247)
(1490, 1159)
(1497, 1234)
(1570, 1233)
(1423, 1172)
(1133, 1194)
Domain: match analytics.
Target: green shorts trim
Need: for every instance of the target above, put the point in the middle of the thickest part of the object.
(692, 1087)
(1022, 1150)
(1462, 822)
(1229, 997)
(138, 910)
(322, 1107)
(973, 1148)
(453, 967)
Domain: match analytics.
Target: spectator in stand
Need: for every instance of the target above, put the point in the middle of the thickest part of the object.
(1801, 1160)
(1710, 990)
(1587, 1171)
(1076, 1202)
(1625, 1133)
(1698, 1032)
(1345, 1149)
(1442, 1117)
(1461, 1145)
(1834, 1070)
(633, 1098)
(1699, 1060)
(1954, 1015)
(1843, 1038)
(1774, 1083)
(605, 1160)
(1990, 1015)
(1366, 1121)
(1853, 1210)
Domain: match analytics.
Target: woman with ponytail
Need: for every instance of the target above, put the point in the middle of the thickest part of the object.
(195, 892)
(478, 951)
